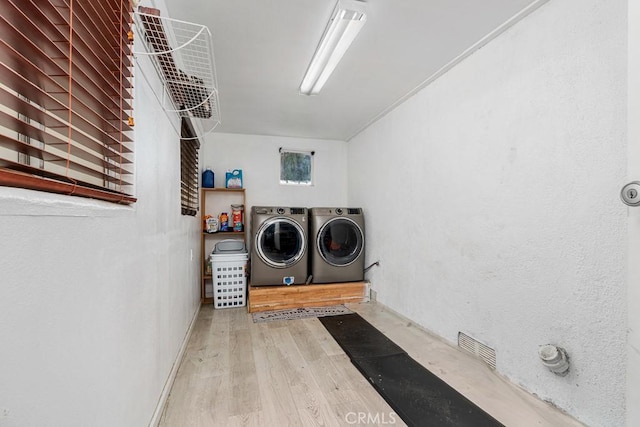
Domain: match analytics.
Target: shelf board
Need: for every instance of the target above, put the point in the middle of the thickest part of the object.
(236, 190)
(226, 233)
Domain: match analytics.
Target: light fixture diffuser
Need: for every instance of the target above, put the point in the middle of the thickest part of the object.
(346, 21)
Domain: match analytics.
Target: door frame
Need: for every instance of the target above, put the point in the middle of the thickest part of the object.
(633, 254)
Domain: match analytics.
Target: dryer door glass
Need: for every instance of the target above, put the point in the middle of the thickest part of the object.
(280, 242)
(340, 241)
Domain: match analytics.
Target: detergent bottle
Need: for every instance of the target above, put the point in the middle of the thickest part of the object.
(207, 178)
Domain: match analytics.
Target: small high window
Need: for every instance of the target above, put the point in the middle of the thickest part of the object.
(189, 146)
(296, 167)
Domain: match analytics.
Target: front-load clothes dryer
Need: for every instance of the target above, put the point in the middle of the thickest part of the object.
(337, 251)
(279, 245)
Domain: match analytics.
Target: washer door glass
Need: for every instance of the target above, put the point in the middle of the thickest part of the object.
(280, 242)
(340, 241)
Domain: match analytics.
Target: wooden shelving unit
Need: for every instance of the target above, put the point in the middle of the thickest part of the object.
(213, 201)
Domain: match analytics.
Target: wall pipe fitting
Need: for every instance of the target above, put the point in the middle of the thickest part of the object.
(555, 358)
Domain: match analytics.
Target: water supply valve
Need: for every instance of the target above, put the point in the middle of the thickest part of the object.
(554, 358)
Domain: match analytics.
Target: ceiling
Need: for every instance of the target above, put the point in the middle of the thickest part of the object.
(262, 49)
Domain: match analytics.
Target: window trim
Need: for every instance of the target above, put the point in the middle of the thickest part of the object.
(311, 155)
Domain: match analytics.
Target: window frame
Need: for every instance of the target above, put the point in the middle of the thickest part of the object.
(283, 181)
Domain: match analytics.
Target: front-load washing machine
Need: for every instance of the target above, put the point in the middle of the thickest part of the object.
(337, 251)
(279, 245)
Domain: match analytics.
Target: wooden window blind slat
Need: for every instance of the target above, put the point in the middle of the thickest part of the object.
(66, 92)
(86, 50)
(106, 50)
(55, 39)
(52, 105)
(54, 83)
(95, 153)
(55, 163)
(55, 166)
(79, 157)
(97, 33)
(51, 62)
(189, 146)
(52, 30)
(50, 85)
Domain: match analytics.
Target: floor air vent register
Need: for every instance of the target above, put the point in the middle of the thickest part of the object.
(475, 347)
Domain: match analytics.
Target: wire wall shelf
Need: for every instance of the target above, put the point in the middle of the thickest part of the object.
(181, 54)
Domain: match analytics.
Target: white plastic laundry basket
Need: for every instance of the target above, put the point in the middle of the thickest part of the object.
(229, 280)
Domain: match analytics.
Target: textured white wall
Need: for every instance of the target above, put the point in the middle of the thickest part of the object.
(492, 203)
(95, 300)
(259, 159)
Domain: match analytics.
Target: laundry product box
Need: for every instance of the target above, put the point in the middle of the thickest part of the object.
(229, 279)
(233, 178)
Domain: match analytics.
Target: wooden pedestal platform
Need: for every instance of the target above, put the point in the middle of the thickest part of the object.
(264, 298)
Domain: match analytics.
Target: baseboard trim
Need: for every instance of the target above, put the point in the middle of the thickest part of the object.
(157, 414)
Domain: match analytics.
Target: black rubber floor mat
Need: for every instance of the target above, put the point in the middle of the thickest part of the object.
(419, 397)
(358, 338)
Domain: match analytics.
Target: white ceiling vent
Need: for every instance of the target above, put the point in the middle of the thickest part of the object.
(475, 347)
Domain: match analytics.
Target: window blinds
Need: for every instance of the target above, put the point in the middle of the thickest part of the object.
(66, 93)
(189, 146)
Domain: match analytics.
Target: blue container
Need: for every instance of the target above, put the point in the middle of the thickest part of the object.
(233, 178)
(207, 178)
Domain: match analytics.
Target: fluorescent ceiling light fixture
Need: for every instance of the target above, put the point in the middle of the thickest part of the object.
(346, 21)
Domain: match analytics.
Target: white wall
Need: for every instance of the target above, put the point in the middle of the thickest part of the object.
(259, 159)
(96, 299)
(492, 203)
(633, 295)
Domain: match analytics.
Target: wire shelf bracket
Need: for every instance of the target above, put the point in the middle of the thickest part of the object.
(181, 54)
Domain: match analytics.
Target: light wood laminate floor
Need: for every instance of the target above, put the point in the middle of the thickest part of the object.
(292, 373)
